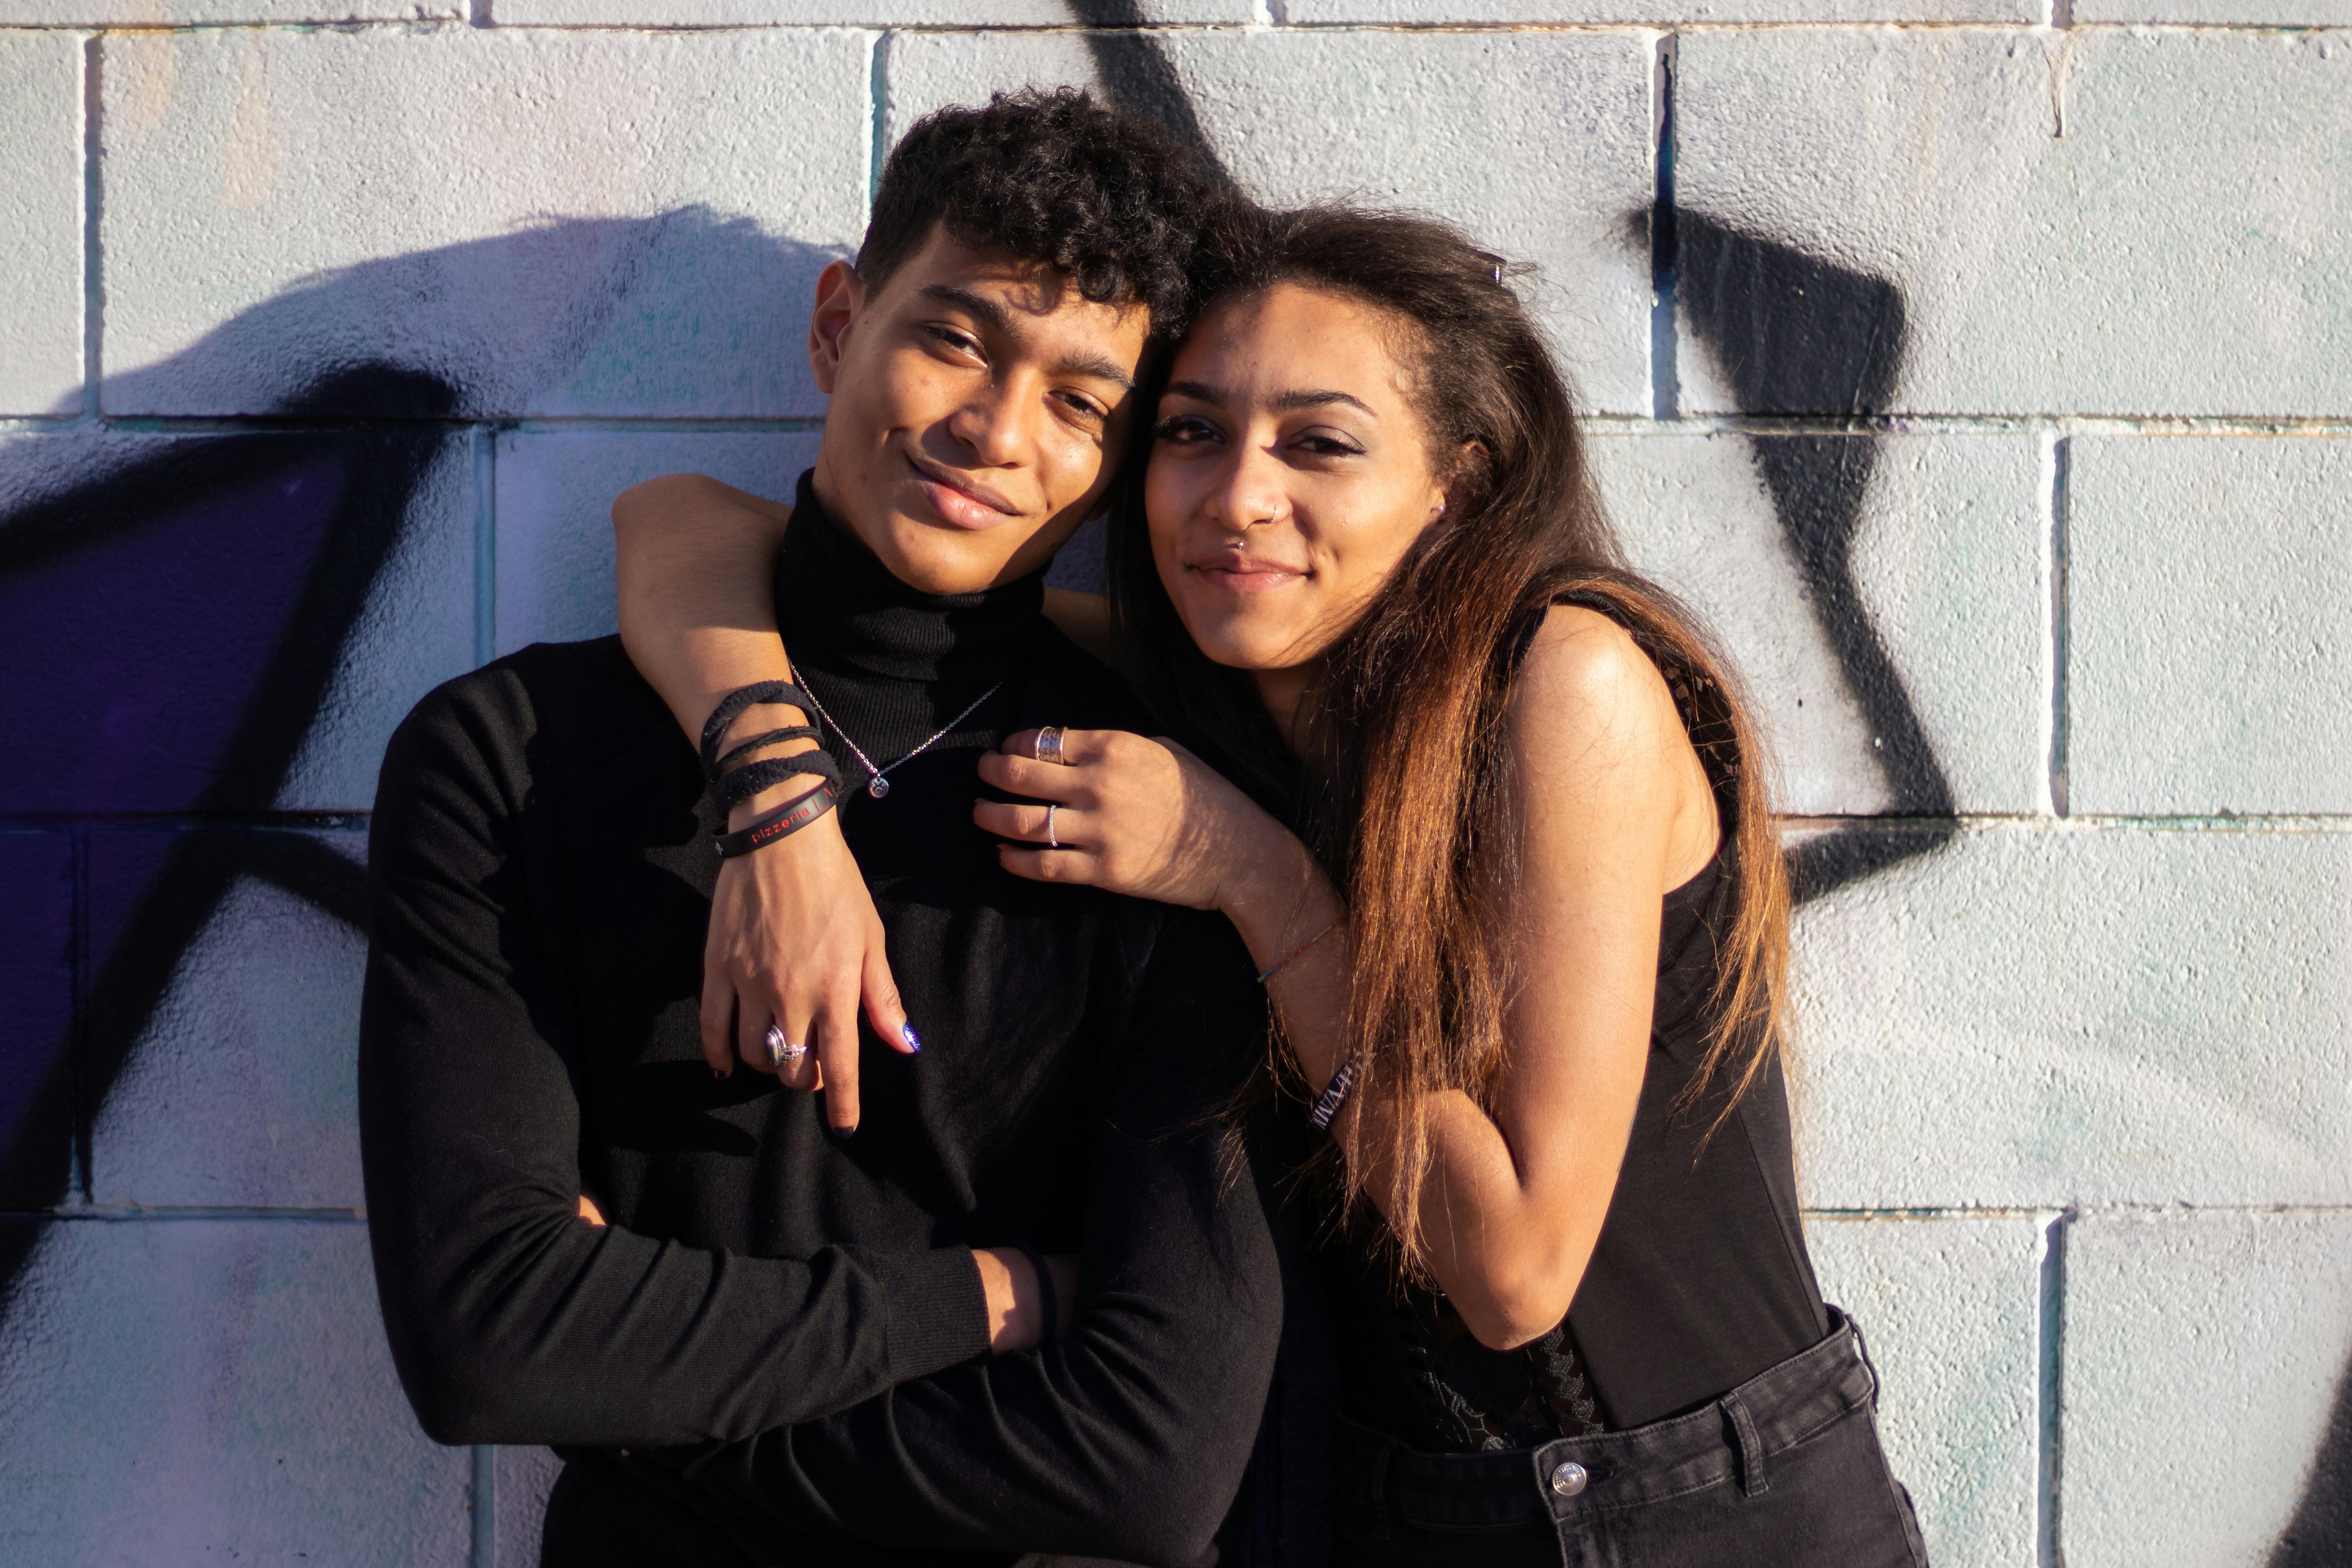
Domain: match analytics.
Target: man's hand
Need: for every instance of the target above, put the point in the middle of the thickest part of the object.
(795, 941)
(1016, 1308)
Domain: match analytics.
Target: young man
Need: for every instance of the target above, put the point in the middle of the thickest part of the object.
(790, 1342)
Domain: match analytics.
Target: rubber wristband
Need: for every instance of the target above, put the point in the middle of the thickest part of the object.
(779, 824)
(733, 789)
(714, 728)
(1053, 1309)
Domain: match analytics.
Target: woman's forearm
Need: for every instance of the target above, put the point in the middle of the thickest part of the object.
(695, 563)
(1284, 906)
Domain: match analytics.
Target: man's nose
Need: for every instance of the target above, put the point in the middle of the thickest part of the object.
(991, 426)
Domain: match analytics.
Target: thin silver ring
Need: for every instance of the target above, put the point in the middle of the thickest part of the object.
(1051, 841)
(782, 1053)
(1047, 747)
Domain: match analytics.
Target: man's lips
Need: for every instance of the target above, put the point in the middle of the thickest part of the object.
(960, 501)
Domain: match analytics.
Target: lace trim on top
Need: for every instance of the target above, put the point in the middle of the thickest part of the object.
(1473, 1399)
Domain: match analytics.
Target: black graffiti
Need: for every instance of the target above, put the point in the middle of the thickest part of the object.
(215, 782)
(2320, 1533)
(1802, 338)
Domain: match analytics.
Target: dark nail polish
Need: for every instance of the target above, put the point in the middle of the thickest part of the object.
(839, 1136)
(914, 1041)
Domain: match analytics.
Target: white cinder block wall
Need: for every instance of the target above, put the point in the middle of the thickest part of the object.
(1983, 368)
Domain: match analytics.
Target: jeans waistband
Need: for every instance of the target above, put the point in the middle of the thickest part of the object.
(1732, 1438)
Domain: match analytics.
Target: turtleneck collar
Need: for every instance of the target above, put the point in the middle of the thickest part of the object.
(842, 611)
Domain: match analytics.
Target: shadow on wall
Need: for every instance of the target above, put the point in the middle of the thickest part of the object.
(1795, 335)
(174, 609)
(2320, 1533)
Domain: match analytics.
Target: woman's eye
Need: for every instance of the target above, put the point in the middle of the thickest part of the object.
(1323, 446)
(1183, 431)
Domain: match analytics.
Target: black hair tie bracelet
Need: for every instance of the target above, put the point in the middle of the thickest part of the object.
(732, 789)
(714, 728)
(737, 753)
(770, 827)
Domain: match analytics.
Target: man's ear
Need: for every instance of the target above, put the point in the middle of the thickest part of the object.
(839, 293)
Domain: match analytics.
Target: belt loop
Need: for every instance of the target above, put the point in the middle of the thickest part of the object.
(1862, 1354)
(1752, 1452)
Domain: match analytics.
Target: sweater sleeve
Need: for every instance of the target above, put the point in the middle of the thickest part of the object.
(1127, 1439)
(510, 1319)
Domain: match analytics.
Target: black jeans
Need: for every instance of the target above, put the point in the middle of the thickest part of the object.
(1783, 1471)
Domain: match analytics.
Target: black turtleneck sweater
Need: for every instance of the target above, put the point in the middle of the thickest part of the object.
(777, 1350)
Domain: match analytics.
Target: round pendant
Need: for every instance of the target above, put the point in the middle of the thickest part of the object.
(878, 786)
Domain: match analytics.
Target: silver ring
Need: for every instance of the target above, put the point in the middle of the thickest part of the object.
(1050, 839)
(1047, 747)
(782, 1053)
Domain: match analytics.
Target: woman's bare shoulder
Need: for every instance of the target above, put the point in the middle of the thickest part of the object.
(1585, 683)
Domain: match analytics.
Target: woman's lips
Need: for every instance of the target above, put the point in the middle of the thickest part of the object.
(1247, 576)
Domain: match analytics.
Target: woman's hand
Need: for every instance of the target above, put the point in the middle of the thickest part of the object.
(1143, 817)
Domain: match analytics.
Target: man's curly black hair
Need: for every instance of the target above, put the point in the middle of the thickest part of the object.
(1107, 197)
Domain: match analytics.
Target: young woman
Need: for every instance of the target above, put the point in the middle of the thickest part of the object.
(1492, 818)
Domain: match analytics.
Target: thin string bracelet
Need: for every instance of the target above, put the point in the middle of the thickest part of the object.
(1284, 961)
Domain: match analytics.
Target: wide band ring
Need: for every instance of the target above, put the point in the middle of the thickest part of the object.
(782, 1053)
(1047, 746)
(1051, 842)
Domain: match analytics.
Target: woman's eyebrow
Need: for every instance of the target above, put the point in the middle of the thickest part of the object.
(1290, 402)
(1283, 403)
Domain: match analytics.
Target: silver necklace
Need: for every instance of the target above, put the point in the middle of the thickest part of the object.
(875, 784)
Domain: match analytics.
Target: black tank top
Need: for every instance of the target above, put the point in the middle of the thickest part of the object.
(1700, 1279)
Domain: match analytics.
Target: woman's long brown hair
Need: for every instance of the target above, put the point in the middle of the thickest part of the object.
(1395, 781)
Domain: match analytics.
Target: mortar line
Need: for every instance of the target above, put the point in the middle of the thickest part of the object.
(1665, 373)
(271, 424)
(2146, 426)
(258, 821)
(197, 1213)
(2049, 1403)
(478, 15)
(486, 1506)
(878, 97)
(79, 1114)
(2061, 610)
(93, 296)
(486, 544)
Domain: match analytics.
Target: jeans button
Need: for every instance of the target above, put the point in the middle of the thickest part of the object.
(1569, 1479)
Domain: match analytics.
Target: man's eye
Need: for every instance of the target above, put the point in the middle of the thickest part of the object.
(1084, 407)
(958, 342)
